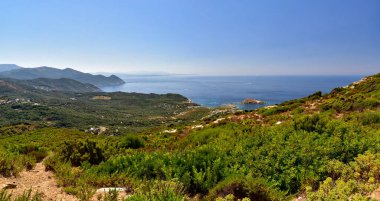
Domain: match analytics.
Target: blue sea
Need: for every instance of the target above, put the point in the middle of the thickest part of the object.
(213, 91)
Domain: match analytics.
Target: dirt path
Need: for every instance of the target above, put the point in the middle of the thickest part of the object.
(39, 180)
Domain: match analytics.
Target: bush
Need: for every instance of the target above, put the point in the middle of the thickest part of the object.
(352, 181)
(78, 152)
(313, 123)
(369, 118)
(131, 142)
(85, 193)
(241, 187)
(159, 191)
(315, 95)
(34, 151)
(333, 190)
(9, 164)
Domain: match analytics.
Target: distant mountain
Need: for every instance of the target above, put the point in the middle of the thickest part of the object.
(8, 67)
(53, 73)
(46, 84)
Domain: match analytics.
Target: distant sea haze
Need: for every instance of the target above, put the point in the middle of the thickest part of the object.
(213, 91)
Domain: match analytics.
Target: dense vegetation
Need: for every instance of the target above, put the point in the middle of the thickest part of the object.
(321, 147)
(118, 112)
(62, 84)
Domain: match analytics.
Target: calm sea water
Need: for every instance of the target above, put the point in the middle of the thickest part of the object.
(216, 91)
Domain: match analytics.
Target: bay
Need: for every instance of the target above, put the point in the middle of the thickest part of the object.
(214, 91)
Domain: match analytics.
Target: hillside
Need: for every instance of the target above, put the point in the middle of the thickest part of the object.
(321, 147)
(47, 102)
(8, 67)
(15, 88)
(45, 84)
(10, 87)
(53, 73)
(61, 84)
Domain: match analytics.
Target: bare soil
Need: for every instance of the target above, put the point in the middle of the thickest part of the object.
(38, 180)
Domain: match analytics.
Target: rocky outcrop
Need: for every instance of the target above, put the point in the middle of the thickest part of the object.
(252, 101)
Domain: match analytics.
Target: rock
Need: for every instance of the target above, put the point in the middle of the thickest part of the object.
(101, 98)
(218, 120)
(252, 101)
(118, 189)
(170, 131)
(197, 127)
(9, 186)
(270, 106)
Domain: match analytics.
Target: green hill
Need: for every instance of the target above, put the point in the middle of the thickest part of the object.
(39, 87)
(53, 73)
(62, 84)
(67, 103)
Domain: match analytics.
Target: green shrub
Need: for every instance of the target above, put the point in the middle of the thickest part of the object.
(159, 191)
(242, 187)
(337, 90)
(26, 196)
(111, 195)
(314, 123)
(67, 175)
(77, 152)
(369, 118)
(276, 110)
(5, 196)
(33, 150)
(9, 164)
(331, 190)
(299, 110)
(315, 95)
(85, 193)
(131, 142)
(352, 181)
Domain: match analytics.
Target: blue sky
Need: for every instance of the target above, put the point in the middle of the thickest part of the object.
(211, 37)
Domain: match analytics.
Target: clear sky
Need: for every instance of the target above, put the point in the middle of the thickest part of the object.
(211, 37)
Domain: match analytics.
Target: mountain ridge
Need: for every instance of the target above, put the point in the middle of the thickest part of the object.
(54, 73)
(8, 67)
